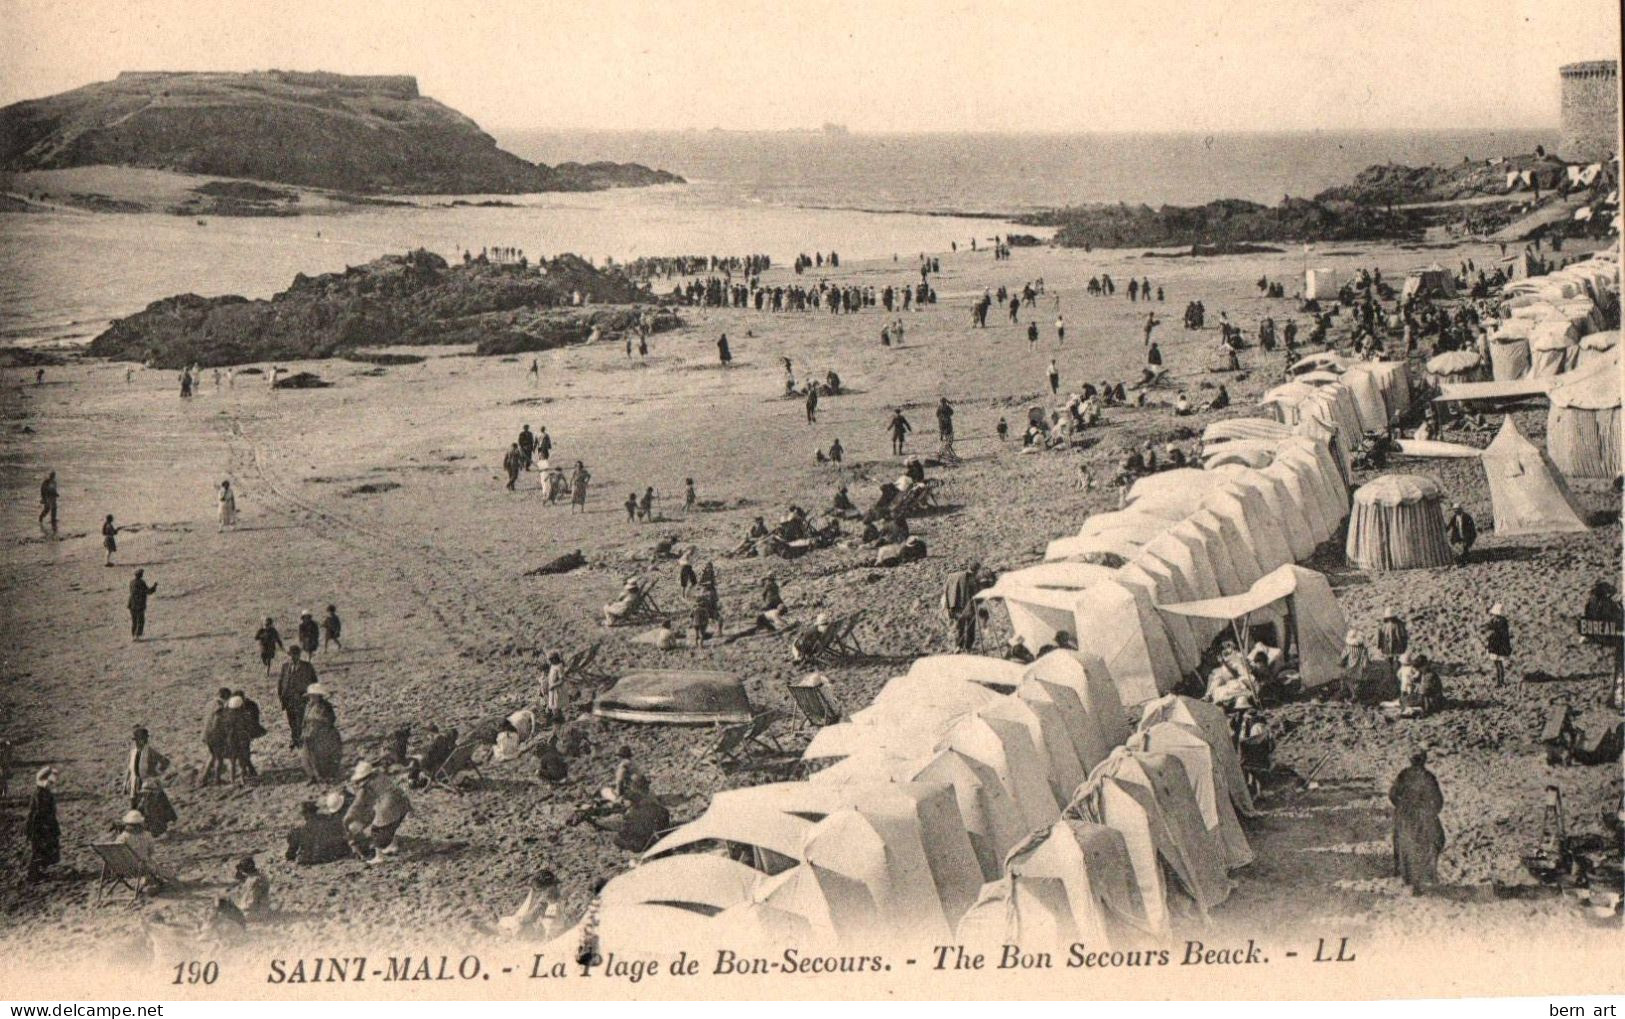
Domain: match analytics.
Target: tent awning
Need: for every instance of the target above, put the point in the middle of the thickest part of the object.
(1501, 389)
(1274, 586)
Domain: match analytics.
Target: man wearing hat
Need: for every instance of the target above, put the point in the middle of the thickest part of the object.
(295, 678)
(270, 642)
(377, 811)
(43, 830)
(139, 592)
(959, 604)
(1498, 641)
(1354, 660)
(310, 635)
(216, 738)
(143, 782)
(623, 603)
(1418, 835)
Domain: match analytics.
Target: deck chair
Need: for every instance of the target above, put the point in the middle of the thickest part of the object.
(842, 644)
(736, 743)
(813, 699)
(120, 867)
(580, 664)
(461, 760)
(644, 608)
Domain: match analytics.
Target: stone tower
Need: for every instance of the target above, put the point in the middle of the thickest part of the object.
(1590, 111)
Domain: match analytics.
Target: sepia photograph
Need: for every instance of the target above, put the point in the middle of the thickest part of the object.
(910, 499)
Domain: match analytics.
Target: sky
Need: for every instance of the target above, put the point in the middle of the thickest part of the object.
(880, 65)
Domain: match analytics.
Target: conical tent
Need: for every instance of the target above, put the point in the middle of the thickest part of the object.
(1583, 425)
(1089, 676)
(1301, 493)
(1027, 912)
(1394, 379)
(1526, 491)
(928, 812)
(1204, 544)
(1188, 563)
(1398, 524)
(1455, 366)
(1208, 781)
(884, 852)
(1040, 599)
(1246, 508)
(1289, 518)
(1092, 862)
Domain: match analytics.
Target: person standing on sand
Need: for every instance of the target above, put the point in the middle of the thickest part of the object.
(723, 353)
(1498, 641)
(270, 642)
(544, 445)
(47, 502)
(1461, 531)
(1032, 334)
(139, 590)
(513, 462)
(578, 488)
(297, 677)
(309, 633)
(535, 371)
(812, 403)
(332, 627)
(1393, 640)
(272, 376)
(527, 446)
(1354, 660)
(109, 538)
(1418, 835)
(227, 500)
(1060, 324)
(1151, 322)
(43, 829)
(898, 426)
(1153, 356)
(689, 498)
(1054, 376)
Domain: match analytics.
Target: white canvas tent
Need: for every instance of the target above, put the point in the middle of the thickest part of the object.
(1210, 720)
(1089, 676)
(838, 910)
(1509, 349)
(1398, 524)
(1583, 425)
(1304, 597)
(703, 881)
(1092, 863)
(1554, 346)
(1209, 782)
(1321, 284)
(1118, 624)
(1434, 281)
(1527, 493)
(1007, 750)
(1030, 913)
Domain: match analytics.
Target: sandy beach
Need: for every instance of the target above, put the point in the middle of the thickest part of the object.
(383, 495)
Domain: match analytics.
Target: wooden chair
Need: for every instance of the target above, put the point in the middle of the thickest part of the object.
(460, 760)
(121, 867)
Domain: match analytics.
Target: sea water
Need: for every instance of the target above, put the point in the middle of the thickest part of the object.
(64, 276)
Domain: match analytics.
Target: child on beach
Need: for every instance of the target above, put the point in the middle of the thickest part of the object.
(689, 498)
(331, 628)
(109, 538)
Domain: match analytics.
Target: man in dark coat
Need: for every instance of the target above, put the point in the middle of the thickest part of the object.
(310, 635)
(1462, 531)
(320, 837)
(246, 727)
(296, 677)
(1498, 641)
(216, 738)
(43, 830)
(959, 602)
(139, 590)
(513, 462)
(1418, 835)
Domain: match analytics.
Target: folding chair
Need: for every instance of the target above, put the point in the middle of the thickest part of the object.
(736, 742)
(121, 867)
(813, 699)
(580, 664)
(843, 639)
(643, 609)
(460, 760)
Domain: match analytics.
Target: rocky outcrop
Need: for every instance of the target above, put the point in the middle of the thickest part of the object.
(366, 134)
(1225, 222)
(416, 298)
